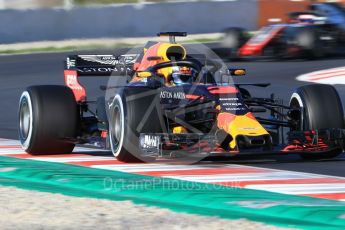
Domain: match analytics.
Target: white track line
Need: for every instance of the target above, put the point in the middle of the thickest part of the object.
(264, 174)
(146, 167)
(242, 177)
(165, 167)
(11, 151)
(329, 76)
(71, 159)
(301, 188)
(81, 149)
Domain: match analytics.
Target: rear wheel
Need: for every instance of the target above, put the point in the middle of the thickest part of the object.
(321, 109)
(233, 39)
(133, 111)
(47, 119)
(308, 40)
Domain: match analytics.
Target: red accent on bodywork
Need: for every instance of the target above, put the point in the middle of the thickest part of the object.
(251, 116)
(104, 134)
(193, 97)
(145, 62)
(308, 146)
(250, 50)
(224, 119)
(71, 81)
(136, 65)
(222, 89)
(255, 49)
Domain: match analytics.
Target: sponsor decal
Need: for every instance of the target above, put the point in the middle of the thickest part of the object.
(121, 64)
(149, 141)
(70, 63)
(110, 59)
(229, 99)
(172, 95)
(231, 103)
(72, 82)
(104, 59)
(104, 69)
(248, 128)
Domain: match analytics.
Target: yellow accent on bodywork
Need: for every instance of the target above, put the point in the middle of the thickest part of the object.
(179, 129)
(163, 48)
(144, 74)
(243, 125)
(162, 52)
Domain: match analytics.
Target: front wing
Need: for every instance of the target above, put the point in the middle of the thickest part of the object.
(318, 142)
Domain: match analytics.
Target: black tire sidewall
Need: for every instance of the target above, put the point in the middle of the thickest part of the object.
(54, 119)
(314, 49)
(135, 117)
(117, 102)
(322, 107)
(236, 34)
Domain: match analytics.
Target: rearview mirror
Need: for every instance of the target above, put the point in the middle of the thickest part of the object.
(237, 72)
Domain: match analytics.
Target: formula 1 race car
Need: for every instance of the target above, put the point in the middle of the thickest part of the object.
(314, 34)
(166, 103)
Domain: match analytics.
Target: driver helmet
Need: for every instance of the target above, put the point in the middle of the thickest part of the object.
(182, 75)
(306, 19)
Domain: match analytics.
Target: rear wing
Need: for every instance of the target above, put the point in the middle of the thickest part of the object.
(101, 65)
(95, 65)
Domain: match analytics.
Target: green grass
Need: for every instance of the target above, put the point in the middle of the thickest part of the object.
(92, 2)
(87, 2)
(87, 47)
(63, 49)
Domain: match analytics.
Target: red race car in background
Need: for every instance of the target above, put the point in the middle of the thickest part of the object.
(314, 34)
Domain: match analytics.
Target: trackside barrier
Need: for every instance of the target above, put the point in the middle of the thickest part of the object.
(128, 20)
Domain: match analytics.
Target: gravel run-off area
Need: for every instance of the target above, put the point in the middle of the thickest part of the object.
(31, 210)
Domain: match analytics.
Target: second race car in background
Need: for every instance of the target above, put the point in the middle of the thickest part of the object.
(314, 34)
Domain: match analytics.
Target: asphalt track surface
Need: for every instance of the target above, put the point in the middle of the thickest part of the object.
(19, 71)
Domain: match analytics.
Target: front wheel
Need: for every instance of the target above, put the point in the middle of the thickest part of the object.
(133, 111)
(308, 40)
(321, 109)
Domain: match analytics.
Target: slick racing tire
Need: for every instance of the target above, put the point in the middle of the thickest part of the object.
(48, 119)
(133, 111)
(308, 40)
(321, 109)
(233, 38)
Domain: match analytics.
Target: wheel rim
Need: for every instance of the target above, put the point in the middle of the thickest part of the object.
(230, 40)
(296, 103)
(117, 128)
(24, 119)
(117, 125)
